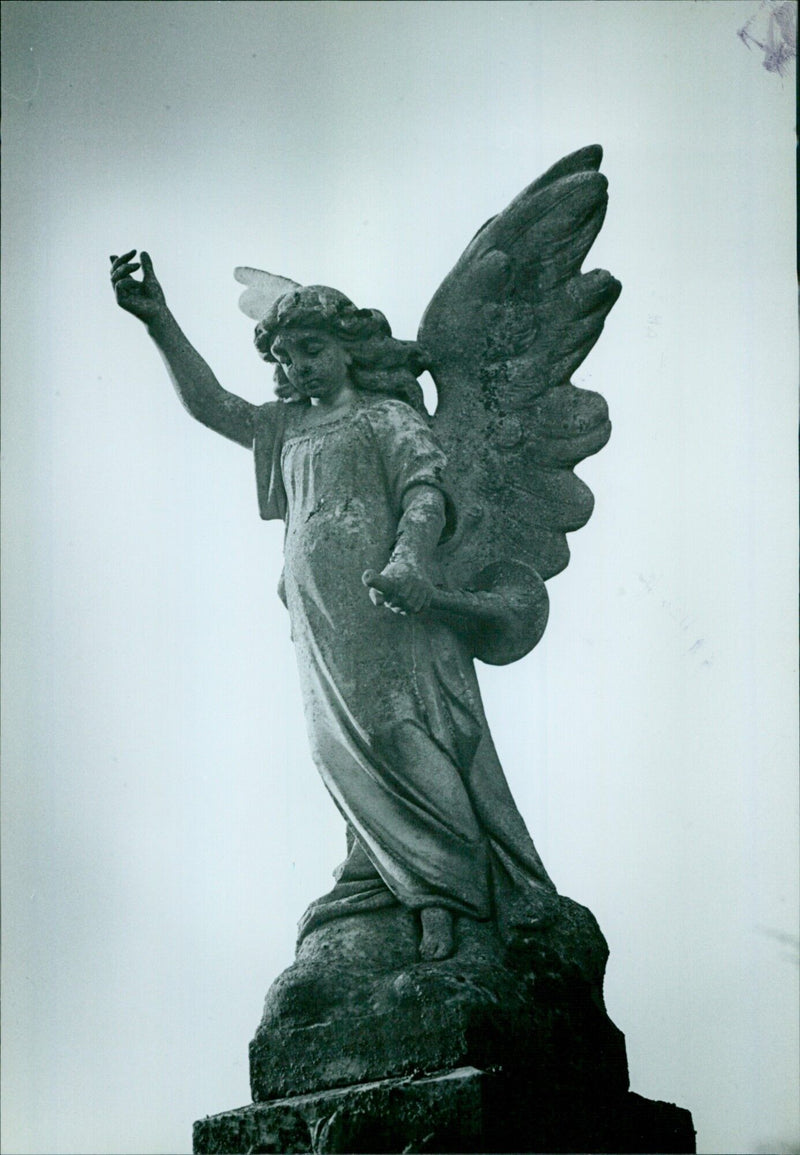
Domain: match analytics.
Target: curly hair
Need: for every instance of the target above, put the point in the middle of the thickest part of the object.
(379, 362)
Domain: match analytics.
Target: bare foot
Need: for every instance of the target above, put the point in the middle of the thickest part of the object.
(437, 933)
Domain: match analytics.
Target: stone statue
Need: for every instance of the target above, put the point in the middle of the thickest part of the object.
(443, 995)
(414, 544)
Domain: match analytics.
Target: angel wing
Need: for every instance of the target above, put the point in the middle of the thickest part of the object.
(502, 336)
(263, 290)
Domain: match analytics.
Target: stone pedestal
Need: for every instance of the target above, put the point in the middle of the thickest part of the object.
(363, 1048)
(462, 1111)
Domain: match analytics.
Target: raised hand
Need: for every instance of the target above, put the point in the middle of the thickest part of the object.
(145, 298)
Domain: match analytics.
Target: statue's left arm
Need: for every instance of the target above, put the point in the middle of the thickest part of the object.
(414, 465)
(403, 584)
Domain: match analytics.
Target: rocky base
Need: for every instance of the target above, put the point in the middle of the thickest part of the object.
(363, 1047)
(358, 1005)
(466, 1110)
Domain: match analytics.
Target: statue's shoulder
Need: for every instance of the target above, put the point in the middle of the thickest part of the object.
(268, 411)
(277, 416)
(390, 413)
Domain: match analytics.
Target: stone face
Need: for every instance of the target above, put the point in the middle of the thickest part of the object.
(462, 1110)
(358, 1005)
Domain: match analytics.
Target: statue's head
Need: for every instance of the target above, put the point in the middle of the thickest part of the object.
(377, 362)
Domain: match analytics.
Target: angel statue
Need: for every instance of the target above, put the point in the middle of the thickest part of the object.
(416, 543)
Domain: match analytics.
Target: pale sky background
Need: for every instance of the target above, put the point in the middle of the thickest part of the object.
(164, 827)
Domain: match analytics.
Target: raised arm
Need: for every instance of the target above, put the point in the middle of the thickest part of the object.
(194, 381)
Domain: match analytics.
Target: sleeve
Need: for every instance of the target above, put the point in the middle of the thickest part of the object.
(409, 451)
(267, 446)
(411, 455)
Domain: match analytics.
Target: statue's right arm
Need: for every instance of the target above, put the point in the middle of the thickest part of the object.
(194, 381)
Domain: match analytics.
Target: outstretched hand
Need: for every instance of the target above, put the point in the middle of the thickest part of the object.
(145, 298)
(400, 588)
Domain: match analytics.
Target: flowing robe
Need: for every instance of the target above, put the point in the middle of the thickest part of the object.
(392, 704)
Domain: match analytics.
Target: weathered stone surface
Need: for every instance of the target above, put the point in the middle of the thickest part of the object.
(454, 519)
(358, 1005)
(462, 1110)
(485, 1032)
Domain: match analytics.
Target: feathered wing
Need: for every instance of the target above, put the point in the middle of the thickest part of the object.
(502, 335)
(263, 290)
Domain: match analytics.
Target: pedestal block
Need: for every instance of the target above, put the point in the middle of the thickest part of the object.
(462, 1111)
(362, 1047)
